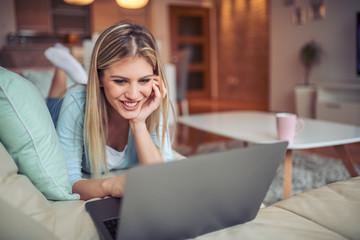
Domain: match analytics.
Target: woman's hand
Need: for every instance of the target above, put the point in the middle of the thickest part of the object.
(114, 186)
(101, 187)
(153, 102)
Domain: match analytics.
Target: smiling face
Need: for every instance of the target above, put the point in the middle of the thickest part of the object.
(127, 85)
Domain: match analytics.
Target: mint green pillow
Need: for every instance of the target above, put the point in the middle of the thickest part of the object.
(42, 80)
(28, 134)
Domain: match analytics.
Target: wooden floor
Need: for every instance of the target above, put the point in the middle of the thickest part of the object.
(201, 106)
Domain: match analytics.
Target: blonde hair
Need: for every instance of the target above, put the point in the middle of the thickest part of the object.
(120, 41)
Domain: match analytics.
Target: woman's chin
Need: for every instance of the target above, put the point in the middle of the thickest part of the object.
(129, 114)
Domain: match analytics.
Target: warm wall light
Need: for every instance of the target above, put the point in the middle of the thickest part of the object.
(79, 2)
(132, 4)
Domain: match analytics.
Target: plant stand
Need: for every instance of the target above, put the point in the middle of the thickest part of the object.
(305, 98)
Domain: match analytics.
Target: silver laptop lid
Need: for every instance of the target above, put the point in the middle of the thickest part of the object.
(201, 194)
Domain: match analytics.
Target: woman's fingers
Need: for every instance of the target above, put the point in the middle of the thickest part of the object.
(163, 90)
(154, 99)
(157, 95)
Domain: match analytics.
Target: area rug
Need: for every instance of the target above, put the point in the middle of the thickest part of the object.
(309, 170)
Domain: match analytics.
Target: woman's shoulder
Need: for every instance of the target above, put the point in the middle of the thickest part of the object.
(77, 90)
(75, 95)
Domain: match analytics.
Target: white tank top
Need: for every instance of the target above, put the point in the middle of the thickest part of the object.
(114, 158)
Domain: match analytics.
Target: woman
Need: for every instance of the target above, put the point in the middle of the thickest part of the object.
(120, 118)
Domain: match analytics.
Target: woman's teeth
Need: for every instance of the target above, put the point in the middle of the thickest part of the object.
(130, 104)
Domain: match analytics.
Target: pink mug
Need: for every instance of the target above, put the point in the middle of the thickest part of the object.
(288, 125)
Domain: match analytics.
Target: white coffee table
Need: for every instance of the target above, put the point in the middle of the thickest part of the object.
(260, 127)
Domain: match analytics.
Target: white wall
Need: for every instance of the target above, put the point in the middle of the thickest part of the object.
(7, 20)
(336, 34)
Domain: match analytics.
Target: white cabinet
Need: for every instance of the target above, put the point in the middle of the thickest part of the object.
(338, 102)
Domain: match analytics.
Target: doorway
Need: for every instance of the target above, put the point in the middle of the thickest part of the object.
(189, 28)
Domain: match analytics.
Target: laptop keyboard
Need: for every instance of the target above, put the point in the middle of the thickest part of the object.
(111, 225)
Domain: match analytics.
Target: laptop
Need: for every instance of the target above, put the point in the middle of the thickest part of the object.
(190, 197)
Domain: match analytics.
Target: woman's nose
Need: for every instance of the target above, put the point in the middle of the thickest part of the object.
(132, 91)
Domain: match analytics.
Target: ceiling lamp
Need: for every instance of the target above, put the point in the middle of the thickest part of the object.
(79, 2)
(132, 4)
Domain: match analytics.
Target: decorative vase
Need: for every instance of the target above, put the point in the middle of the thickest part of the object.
(305, 97)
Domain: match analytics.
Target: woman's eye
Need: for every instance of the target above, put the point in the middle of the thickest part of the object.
(145, 80)
(119, 81)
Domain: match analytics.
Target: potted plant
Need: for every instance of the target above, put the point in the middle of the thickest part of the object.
(305, 94)
(310, 55)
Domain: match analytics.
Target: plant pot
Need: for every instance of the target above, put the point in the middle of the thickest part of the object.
(305, 97)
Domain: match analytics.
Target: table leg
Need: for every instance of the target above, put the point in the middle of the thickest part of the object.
(287, 173)
(347, 160)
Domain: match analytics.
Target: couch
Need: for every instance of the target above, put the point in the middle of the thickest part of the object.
(36, 201)
(329, 212)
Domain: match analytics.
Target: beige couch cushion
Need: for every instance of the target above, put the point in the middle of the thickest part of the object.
(274, 223)
(335, 206)
(328, 212)
(66, 219)
(19, 192)
(30, 229)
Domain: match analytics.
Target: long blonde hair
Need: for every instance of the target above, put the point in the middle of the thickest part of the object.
(120, 41)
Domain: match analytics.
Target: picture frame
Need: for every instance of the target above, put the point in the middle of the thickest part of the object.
(299, 16)
(317, 10)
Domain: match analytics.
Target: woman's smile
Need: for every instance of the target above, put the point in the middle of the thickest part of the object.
(130, 105)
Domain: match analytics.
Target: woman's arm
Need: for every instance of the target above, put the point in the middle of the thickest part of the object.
(147, 151)
(70, 131)
(102, 187)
